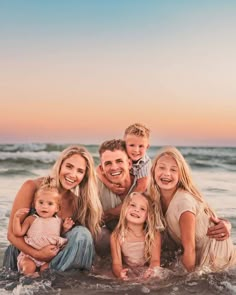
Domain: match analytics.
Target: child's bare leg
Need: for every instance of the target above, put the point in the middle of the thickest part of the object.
(44, 267)
(27, 266)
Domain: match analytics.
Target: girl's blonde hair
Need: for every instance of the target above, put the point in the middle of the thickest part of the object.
(87, 207)
(185, 181)
(149, 225)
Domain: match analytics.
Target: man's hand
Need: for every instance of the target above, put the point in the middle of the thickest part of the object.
(220, 230)
(108, 216)
(112, 213)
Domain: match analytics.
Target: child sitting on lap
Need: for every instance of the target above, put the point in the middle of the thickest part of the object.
(42, 228)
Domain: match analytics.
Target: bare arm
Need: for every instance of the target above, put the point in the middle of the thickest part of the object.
(187, 224)
(156, 251)
(20, 229)
(141, 185)
(24, 199)
(117, 267)
(155, 256)
(114, 187)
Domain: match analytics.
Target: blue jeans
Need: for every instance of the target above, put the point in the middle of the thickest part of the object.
(78, 252)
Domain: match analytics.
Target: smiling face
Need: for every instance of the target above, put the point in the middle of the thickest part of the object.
(47, 203)
(72, 171)
(166, 173)
(136, 146)
(115, 165)
(137, 209)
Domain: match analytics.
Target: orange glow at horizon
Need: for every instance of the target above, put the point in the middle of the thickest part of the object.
(89, 78)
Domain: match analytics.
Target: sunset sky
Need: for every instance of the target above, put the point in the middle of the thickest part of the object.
(83, 70)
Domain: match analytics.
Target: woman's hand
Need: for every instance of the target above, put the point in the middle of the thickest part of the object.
(220, 230)
(47, 253)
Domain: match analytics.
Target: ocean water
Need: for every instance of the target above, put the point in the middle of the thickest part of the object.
(214, 171)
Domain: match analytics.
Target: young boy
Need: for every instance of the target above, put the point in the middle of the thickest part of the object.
(136, 139)
(137, 142)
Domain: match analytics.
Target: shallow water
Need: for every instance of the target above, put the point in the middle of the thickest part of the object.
(76, 282)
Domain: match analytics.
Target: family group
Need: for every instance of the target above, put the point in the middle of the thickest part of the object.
(123, 208)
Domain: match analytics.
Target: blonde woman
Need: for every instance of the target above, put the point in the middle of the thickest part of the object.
(135, 242)
(187, 215)
(76, 181)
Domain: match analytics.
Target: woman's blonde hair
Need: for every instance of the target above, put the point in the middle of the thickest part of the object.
(149, 226)
(87, 206)
(185, 181)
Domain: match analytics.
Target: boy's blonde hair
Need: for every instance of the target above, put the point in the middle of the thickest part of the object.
(138, 130)
(149, 226)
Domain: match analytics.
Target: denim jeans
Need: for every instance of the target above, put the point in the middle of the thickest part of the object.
(78, 253)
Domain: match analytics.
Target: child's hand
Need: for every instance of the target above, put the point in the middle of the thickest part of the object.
(117, 188)
(148, 273)
(124, 274)
(21, 211)
(67, 224)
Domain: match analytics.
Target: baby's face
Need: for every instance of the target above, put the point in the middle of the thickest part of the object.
(46, 204)
(136, 146)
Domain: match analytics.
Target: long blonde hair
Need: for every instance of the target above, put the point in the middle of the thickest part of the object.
(86, 202)
(149, 226)
(185, 181)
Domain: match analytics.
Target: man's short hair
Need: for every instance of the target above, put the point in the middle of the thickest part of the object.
(112, 145)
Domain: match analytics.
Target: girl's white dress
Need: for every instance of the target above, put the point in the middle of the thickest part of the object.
(43, 232)
(216, 255)
(133, 258)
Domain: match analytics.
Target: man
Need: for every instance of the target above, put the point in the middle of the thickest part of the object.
(115, 167)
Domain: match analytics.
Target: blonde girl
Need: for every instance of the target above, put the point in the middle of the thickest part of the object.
(42, 228)
(135, 242)
(186, 214)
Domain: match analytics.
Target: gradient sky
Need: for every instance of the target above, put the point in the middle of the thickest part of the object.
(82, 71)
